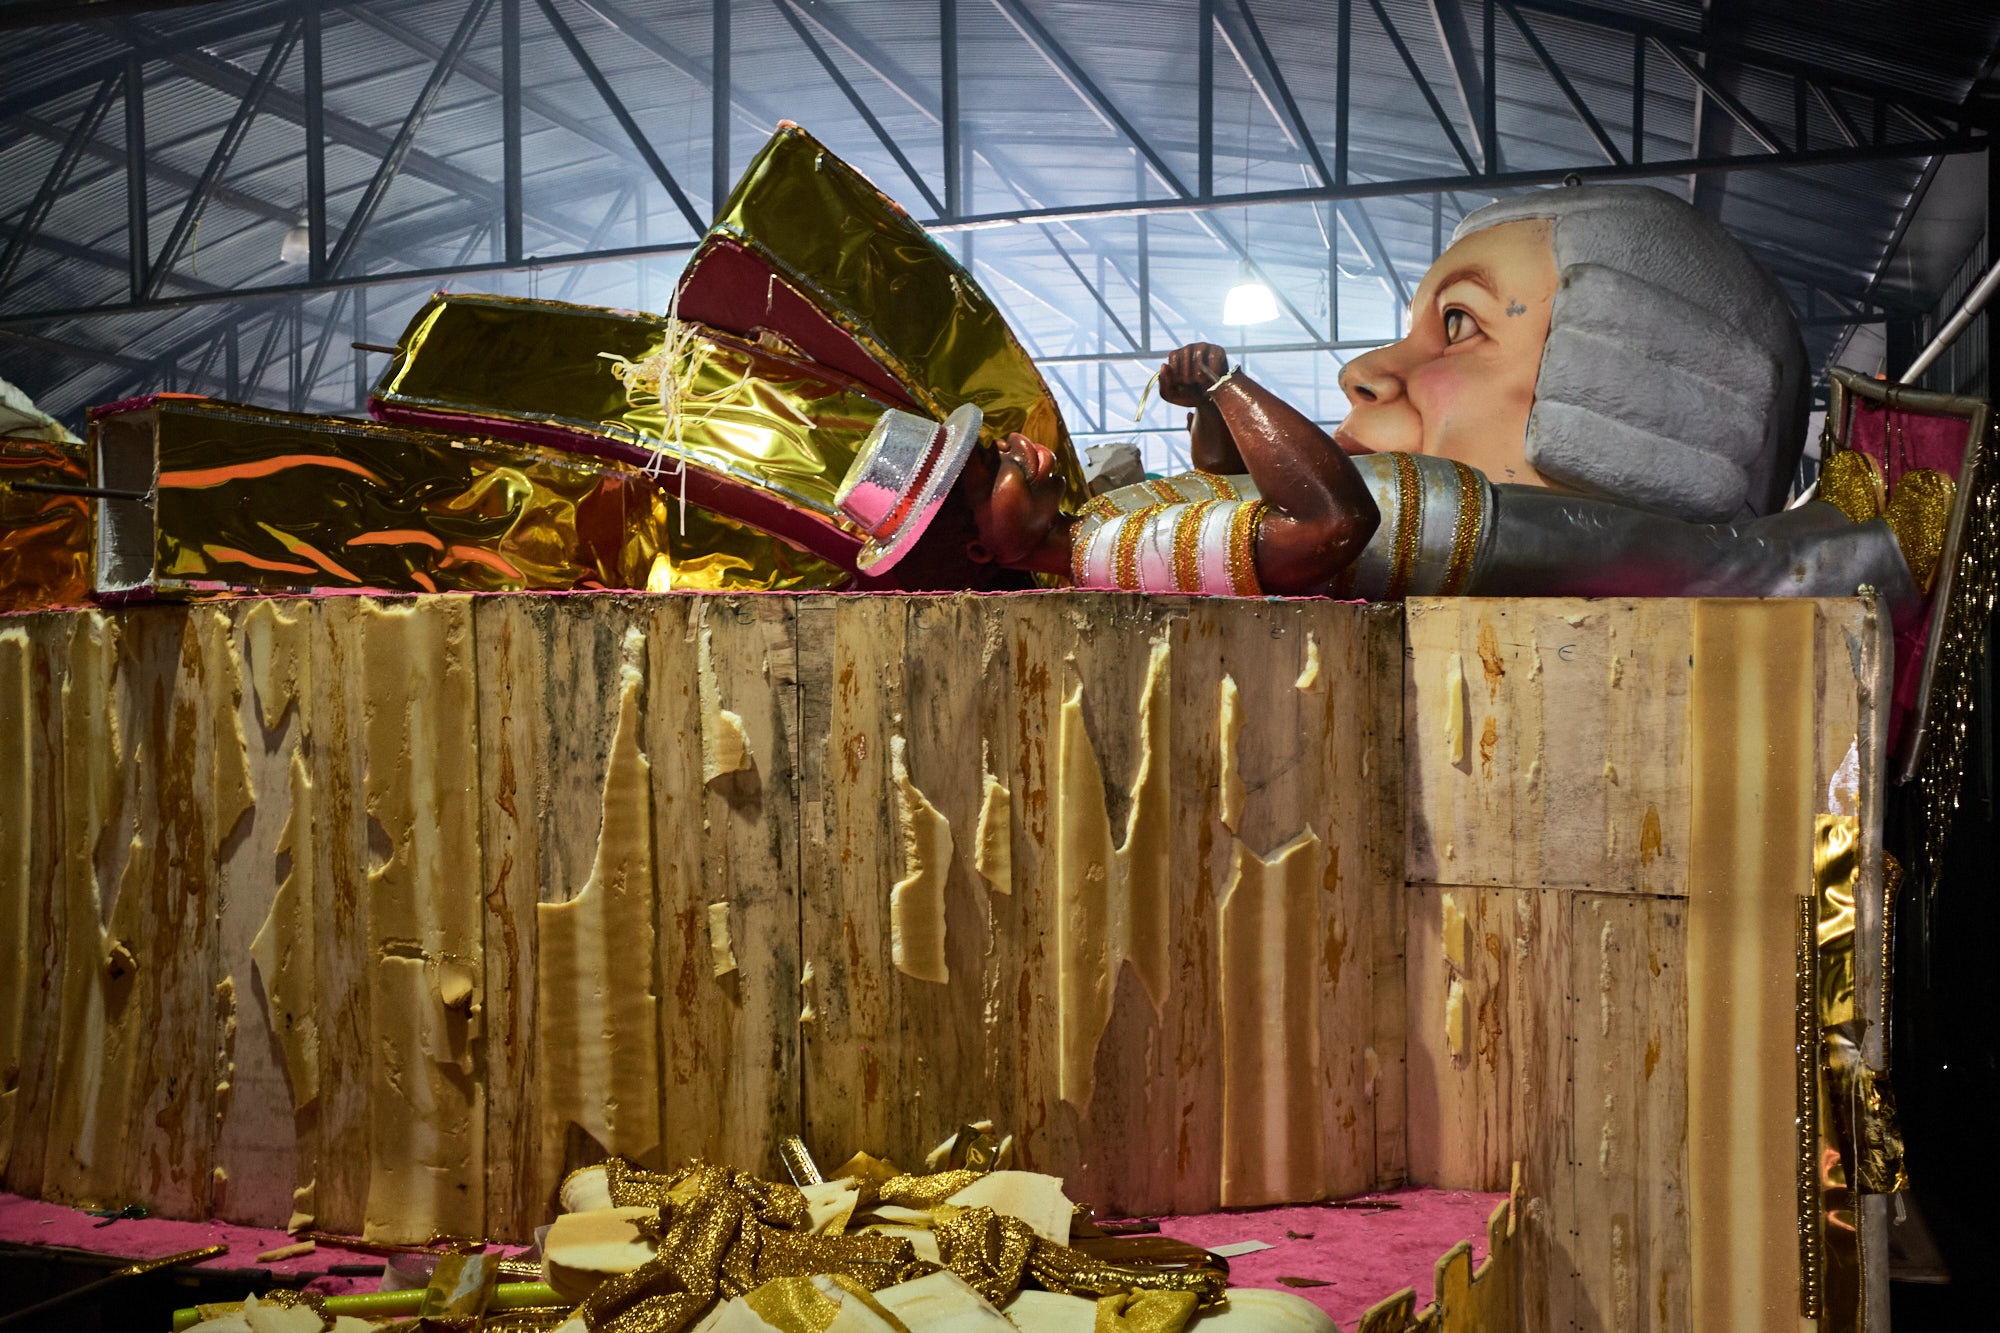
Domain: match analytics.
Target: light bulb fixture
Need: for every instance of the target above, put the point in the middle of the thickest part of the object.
(296, 248)
(1249, 301)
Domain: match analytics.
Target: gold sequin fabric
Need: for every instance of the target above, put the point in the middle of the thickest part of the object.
(1851, 482)
(1465, 533)
(723, 1233)
(1145, 1312)
(1919, 513)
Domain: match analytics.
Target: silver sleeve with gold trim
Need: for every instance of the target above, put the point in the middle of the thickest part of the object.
(1437, 523)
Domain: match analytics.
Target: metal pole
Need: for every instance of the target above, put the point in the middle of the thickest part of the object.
(1205, 77)
(315, 127)
(361, 379)
(719, 109)
(510, 125)
(1638, 98)
(1345, 46)
(954, 186)
(1973, 303)
(138, 246)
(1489, 117)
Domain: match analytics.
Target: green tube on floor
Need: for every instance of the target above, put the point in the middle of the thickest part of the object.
(378, 1304)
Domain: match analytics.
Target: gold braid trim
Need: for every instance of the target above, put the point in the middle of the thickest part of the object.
(1187, 545)
(1100, 506)
(1409, 525)
(1243, 548)
(724, 1233)
(1224, 488)
(1465, 534)
(1125, 547)
(1163, 487)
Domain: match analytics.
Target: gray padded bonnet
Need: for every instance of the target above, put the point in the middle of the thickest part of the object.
(1674, 377)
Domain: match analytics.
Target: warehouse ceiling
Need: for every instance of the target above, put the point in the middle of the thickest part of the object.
(1108, 169)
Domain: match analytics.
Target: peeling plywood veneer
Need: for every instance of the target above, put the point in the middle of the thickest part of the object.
(286, 947)
(100, 1034)
(1270, 1025)
(597, 1012)
(1112, 906)
(17, 775)
(993, 839)
(721, 951)
(1548, 743)
(231, 797)
(426, 1109)
(725, 747)
(1229, 725)
(916, 901)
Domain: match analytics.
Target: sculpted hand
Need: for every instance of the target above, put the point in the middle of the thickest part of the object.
(1190, 372)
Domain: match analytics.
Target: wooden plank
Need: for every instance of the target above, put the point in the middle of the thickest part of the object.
(1378, 674)
(549, 703)
(1503, 790)
(1754, 744)
(342, 844)
(1629, 1237)
(265, 1144)
(750, 864)
(856, 1090)
(41, 813)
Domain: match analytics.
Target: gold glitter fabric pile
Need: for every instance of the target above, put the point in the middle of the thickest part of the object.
(1918, 510)
(723, 1233)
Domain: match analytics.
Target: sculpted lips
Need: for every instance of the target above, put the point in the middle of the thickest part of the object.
(1348, 444)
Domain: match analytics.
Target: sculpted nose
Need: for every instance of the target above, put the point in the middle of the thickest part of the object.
(1370, 379)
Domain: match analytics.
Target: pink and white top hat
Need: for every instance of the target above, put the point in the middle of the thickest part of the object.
(900, 478)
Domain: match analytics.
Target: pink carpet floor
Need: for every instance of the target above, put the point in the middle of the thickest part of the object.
(1361, 1255)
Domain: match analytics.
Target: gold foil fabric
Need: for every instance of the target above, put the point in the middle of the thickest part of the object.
(723, 1233)
(883, 279)
(792, 1305)
(45, 540)
(755, 417)
(249, 498)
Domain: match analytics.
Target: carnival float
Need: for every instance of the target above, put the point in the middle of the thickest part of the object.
(605, 804)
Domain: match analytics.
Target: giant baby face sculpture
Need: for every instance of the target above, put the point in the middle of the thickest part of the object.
(1607, 340)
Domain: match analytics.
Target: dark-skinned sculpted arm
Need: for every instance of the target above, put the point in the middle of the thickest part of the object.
(1319, 513)
(1551, 544)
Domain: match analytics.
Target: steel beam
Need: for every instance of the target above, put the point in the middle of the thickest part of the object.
(750, 110)
(139, 251)
(624, 118)
(719, 175)
(224, 154)
(315, 129)
(1563, 85)
(597, 238)
(406, 134)
(1264, 349)
(954, 185)
(1084, 86)
(1466, 77)
(510, 127)
(57, 179)
(1205, 96)
(1423, 86)
(941, 208)
(75, 351)
(1285, 110)
(1343, 88)
(1103, 306)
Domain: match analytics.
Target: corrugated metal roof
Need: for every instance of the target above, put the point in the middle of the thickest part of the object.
(1033, 142)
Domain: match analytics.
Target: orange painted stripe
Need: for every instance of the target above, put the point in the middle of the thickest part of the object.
(234, 556)
(396, 537)
(488, 558)
(263, 467)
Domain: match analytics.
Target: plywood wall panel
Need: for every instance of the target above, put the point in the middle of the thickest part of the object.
(1546, 743)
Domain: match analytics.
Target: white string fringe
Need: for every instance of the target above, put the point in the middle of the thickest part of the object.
(1146, 394)
(665, 377)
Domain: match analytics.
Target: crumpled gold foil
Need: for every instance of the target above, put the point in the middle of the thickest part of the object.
(862, 261)
(250, 498)
(45, 540)
(1919, 512)
(774, 426)
(724, 1233)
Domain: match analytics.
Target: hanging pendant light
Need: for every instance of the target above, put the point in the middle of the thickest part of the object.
(296, 248)
(1249, 301)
